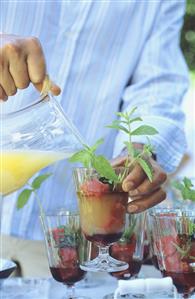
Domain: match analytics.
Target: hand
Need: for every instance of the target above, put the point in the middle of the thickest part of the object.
(143, 193)
(21, 62)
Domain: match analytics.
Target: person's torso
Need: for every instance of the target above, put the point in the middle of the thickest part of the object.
(92, 49)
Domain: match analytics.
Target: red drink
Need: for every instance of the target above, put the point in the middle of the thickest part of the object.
(124, 251)
(67, 275)
(102, 212)
(184, 282)
(180, 262)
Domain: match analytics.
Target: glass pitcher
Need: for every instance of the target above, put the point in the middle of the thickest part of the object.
(31, 139)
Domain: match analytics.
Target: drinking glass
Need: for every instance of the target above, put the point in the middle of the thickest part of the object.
(102, 211)
(66, 249)
(130, 248)
(174, 235)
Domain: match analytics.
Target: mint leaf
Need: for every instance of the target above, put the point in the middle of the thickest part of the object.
(146, 168)
(129, 231)
(97, 144)
(36, 184)
(116, 125)
(23, 198)
(185, 187)
(104, 168)
(177, 185)
(187, 182)
(144, 130)
(83, 157)
(135, 119)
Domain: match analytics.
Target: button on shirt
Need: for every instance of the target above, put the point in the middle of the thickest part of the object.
(106, 56)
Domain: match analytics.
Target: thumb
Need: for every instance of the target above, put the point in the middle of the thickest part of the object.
(48, 85)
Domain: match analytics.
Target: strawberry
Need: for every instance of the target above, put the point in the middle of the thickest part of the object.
(124, 251)
(117, 217)
(68, 256)
(172, 257)
(58, 234)
(94, 188)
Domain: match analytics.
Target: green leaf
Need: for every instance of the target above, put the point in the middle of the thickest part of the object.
(132, 111)
(146, 168)
(129, 231)
(188, 194)
(83, 157)
(36, 184)
(177, 185)
(95, 146)
(187, 182)
(135, 119)
(23, 198)
(104, 168)
(144, 130)
(116, 125)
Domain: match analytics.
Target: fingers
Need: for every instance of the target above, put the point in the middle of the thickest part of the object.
(35, 61)
(3, 96)
(21, 62)
(55, 89)
(134, 179)
(146, 186)
(144, 203)
(19, 71)
(7, 82)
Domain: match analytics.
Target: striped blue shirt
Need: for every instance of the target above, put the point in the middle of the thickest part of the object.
(106, 55)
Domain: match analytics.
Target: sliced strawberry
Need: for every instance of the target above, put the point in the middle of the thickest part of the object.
(94, 188)
(68, 256)
(124, 251)
(58, 233)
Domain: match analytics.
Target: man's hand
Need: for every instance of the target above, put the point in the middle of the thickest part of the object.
(143, 193)
(21, 62)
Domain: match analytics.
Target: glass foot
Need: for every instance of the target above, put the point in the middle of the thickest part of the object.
(104, 264)
(111, 296)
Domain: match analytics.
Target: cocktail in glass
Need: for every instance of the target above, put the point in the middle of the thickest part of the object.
(66, 248)
(102, 210)
(174, 234)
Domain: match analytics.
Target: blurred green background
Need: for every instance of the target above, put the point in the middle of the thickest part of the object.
(188, 35)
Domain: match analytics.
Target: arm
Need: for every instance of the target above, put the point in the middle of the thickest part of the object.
(158, 85)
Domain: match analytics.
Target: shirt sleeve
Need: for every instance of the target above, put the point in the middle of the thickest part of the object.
(158, 85)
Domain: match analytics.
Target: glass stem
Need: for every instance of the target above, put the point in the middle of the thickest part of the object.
(103, 252)
(71, 292)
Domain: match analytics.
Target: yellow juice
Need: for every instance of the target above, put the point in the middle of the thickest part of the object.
(17, 166)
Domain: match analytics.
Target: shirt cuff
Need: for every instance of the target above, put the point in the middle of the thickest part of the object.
(169, 144)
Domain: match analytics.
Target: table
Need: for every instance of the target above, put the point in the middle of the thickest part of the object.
(101, 284)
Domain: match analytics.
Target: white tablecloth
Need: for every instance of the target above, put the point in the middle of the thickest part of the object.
(101, 284)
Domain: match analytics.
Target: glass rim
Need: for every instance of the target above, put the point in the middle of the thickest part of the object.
(42, 98)
(91, 168)
(159, 213)
(60, 213)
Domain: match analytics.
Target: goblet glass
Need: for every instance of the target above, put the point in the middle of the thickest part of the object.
(174, 236)
(102, 211)
(66, 248)
(130, 248)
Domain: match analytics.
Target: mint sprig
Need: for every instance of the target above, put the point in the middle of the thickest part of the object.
(24, 196)
(135, 156)
(186, 188)
(90, 159)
